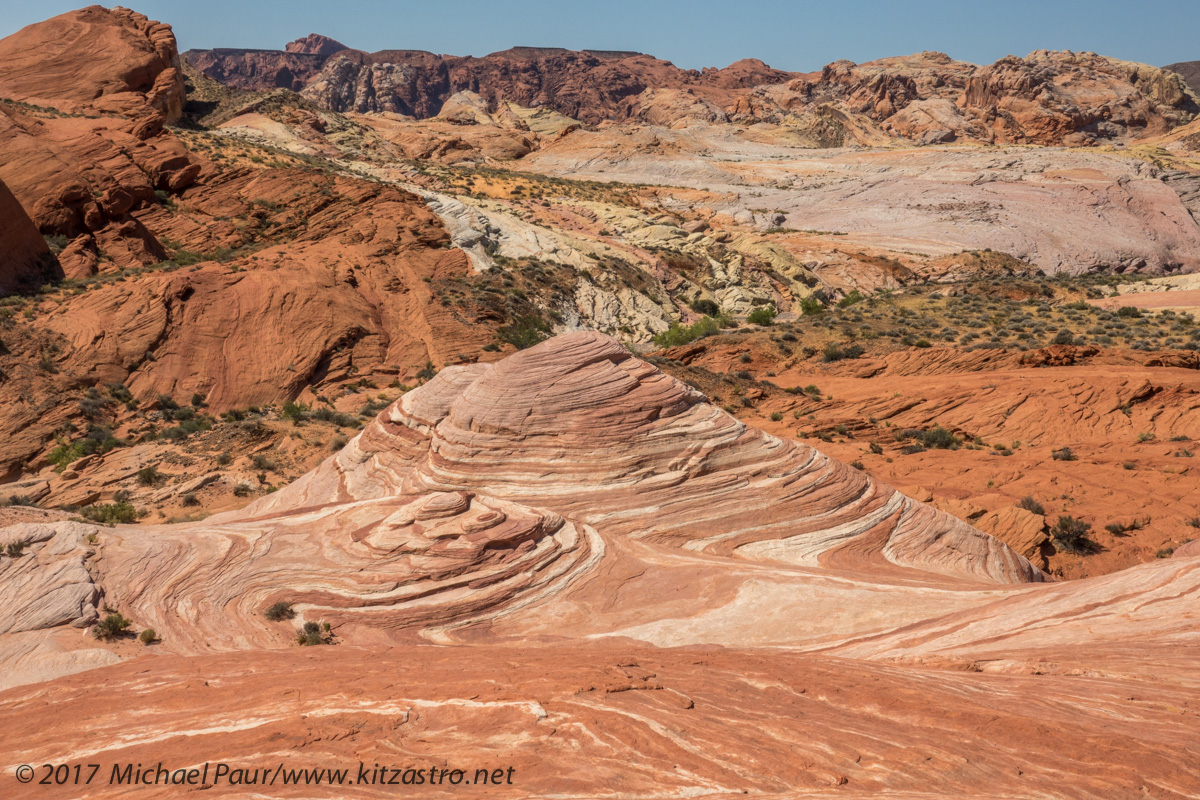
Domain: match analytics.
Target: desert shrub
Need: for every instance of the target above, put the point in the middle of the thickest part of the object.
(1145, 436)
(296, 412)
(1064, 454)
(338, 442)
(763, 315)
(279, 611)
(1064, 336)
(120, 513)
(1129, 312)
(1183, 452)
(858, 465)
(679, 334)
(876, 448)
(1072, 534)
(854, 297)
(15, 549)
(1032, 506)
(148, 476)
(836, 352)
(524, 332)
(242, 490)
(148, 636)
(776, 416)
(939, 438)
(912, 449)
(111, 627)
(224, 459)
(312, 634)
(190, 500)
(811, 306)
(706, 308)
(1194, 522)
(261, 461)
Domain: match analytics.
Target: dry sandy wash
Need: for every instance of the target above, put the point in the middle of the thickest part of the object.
(570, 563)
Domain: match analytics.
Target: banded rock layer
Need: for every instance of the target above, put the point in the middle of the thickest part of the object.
(580, 425)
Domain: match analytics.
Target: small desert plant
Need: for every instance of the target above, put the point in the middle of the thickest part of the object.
(1072, 534)
(110, 514)
(763, 315)
(111, 627)
(776, 416)
(224, 459)
(148, 476)
(280, 611)
(242, 490)
(1063, 454)
(190, 499)
(313, 634)
(148, 636)
(1032, 506)
(15, 549)
(939, 438)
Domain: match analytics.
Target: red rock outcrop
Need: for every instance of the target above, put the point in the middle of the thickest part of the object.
(584, 394)
(24, 254)
(96, 60)
(1048, 98)
(849, 651)
(315, 44)
(82, 142)
(587, 85)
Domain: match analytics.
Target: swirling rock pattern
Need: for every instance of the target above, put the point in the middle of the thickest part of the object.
(630, 594)
(581, 426)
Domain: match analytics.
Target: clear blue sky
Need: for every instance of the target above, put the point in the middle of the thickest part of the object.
(797, 35)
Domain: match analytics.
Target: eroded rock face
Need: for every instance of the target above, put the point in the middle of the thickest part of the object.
(315, 44)
(99, 60)
(703, 481)
(1045, 98)
(83, 145)
(24, 255)
(588, 85)
(682, 576)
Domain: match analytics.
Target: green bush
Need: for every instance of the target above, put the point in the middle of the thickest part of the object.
(854, 297)
(110, 514)
(525, 332)
(15, 549)
(147, 636)
(312, 634)
(811, 306)
(148, 476)
(763, 315)
(682, 334)
(1072, 534)
(111, 627)
(707, 308)
(939, 438)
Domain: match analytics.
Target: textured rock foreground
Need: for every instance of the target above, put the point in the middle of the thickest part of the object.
(634, 593)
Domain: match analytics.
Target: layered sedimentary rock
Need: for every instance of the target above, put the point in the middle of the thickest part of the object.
(95, 60)
(1045, 98)
(82, 142)
(584, 624)
(587, 85)
(692, 485)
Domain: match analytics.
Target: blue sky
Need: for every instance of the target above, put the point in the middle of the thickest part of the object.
(797, 35)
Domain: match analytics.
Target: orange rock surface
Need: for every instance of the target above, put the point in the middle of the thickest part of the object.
(842, 634)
